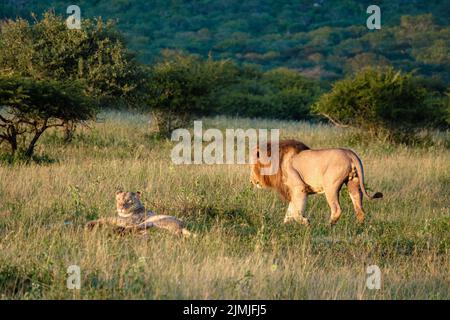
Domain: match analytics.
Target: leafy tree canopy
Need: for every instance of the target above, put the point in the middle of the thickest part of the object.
(95, 56)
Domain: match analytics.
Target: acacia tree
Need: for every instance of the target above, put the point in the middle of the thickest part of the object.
(29, 107)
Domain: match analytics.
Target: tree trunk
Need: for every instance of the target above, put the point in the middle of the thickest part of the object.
(37, 135)
(69, 130)
(13, 143)
(12, 139)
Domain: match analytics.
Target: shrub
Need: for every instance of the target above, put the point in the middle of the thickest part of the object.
(292, 94)
(382, 102)
(180, 87)
(279, 93)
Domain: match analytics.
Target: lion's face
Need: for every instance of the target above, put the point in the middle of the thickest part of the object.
(256, 178)
(128, 202)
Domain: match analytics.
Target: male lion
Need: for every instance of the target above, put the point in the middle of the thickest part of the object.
(302, 171)
(132, 216)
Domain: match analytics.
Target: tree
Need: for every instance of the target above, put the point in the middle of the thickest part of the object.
(29, 107)
(291, 93)
(181, 85)
(381, 102)
(94, 56)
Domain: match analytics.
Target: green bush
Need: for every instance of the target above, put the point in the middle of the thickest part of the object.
(292, 94)
(95, 55)
(382, 102)
(279, 94)
(180, 88)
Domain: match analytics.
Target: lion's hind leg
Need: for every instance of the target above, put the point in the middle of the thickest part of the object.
(332, 196)
(356, 195)
(168, 223)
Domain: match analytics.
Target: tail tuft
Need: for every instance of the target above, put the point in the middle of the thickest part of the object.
(377, 195)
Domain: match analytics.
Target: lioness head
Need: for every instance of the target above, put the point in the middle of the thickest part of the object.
(275, 180)
(128, 203)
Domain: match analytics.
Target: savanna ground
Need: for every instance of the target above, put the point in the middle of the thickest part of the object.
(243, 249)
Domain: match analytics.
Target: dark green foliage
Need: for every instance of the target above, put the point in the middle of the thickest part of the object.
(180, 87)
(95, 55)
(29, 107)
(280, 94)
(381, 102)
(325, 38)
(185, 86)
(294, 41)
(18, 280)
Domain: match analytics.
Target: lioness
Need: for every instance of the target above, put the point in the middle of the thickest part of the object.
(132, 216)
(303, 171)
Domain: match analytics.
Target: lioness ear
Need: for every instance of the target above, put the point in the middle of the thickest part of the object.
(138, 194)
(118, 192)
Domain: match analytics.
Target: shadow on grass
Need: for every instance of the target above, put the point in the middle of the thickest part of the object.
(18, 281)
(21, 159)
(236, 220)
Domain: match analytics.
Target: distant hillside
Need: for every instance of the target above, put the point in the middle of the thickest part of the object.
(323, 39)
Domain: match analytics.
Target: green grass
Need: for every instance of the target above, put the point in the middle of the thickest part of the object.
(243, 249)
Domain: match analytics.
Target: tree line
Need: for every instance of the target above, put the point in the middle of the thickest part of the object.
(51, 76)
(325, 39)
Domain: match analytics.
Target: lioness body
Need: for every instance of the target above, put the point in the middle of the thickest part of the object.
(305, 171)
(132, 216)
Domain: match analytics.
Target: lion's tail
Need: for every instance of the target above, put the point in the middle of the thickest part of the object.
(360, 171)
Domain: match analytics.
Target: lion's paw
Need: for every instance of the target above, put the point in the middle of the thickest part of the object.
(302, 220)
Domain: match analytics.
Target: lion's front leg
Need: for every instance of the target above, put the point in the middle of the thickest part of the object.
(289, 217)
(96, 223)
(117, 224)
(297, 207)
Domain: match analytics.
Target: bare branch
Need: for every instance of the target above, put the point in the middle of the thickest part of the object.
(335, 122)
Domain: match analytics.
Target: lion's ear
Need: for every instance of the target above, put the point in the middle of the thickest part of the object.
(138, 194)
(118, 192)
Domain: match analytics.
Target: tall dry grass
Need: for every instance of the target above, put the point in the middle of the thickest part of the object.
(243, 249)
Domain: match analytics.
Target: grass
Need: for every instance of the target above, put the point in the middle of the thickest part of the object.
(243, 250)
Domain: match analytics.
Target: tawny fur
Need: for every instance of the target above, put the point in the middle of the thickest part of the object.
(303, 172)
(275, 181)
(133, 217)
